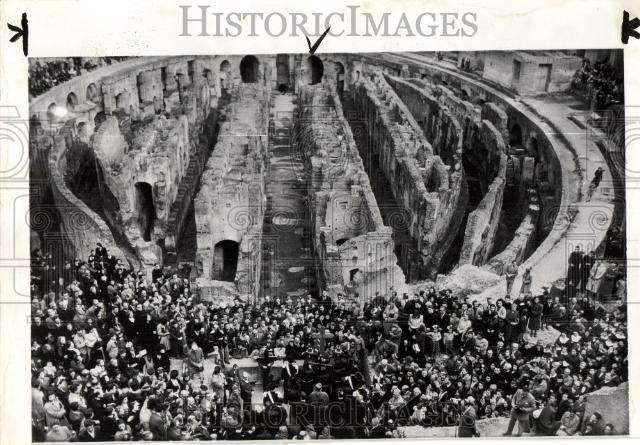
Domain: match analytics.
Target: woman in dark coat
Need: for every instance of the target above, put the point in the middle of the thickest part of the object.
(535, 321)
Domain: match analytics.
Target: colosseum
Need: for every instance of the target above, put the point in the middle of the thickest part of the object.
(328, 178)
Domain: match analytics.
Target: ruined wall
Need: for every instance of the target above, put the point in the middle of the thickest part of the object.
(80, 224)
(482, 103)
(440, 124)
(354, 247)
(482, 223)
(421, 182)
(157, 155)
(613, 404)
(521, 245)
(231, 202)
(499, 67)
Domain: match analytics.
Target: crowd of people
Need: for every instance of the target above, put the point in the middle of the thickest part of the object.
(600, 84)
(43, 75)
(117, 355)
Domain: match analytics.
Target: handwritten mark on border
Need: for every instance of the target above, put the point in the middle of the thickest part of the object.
(21, 32)
(312, 49)
(629, 27)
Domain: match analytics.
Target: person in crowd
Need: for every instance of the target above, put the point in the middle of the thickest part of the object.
(510, 273)
(467, 422)
(103, 367)
(546, 423)
(522, 405)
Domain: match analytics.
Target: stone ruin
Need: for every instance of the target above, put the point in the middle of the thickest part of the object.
(177, 148)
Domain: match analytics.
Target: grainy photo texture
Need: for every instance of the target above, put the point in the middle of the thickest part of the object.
(328, 246)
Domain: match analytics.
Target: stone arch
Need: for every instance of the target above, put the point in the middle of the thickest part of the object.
(98, 120)
(83, 131)
(207, 74)
(93, 93)
(123, 101)
(180, 80)
(191, 68)
(144, 209)
(314, 70)
(72, 102)
(225, 258)
(515, 136)
(225, 66)
(225, 70)
(140, 87)
(52, 113)
(249, 69)
(35, 124)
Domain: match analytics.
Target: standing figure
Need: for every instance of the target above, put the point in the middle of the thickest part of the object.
(526, 281)
(510, 273)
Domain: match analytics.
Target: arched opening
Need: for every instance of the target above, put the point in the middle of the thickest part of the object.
(122, 101)
(341, 241)
(249, 69)
(464, 94)
(82, 130)
(34, 124)
(207, 74)
(51, 113)
(354, 275)
(339, 77)
(72, 102)
(515, 136)
(145, 210)
(357, 76)
(225, 257)
(163, 78)
(98, 120)
(225, 70)
(139, 85)
(282, 70)
(191, 69)
(93, 93)
(314, 70)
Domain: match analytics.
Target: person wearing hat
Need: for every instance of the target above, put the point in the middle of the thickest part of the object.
(318, 395)
(522, 405)
(467, 422)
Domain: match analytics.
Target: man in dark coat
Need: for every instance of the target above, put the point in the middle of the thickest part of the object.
(573, 272)
(467, 425)
(246, 389)
(546, 424)
(157, 425)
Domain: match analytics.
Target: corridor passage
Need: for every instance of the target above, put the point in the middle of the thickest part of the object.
(288, 265)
